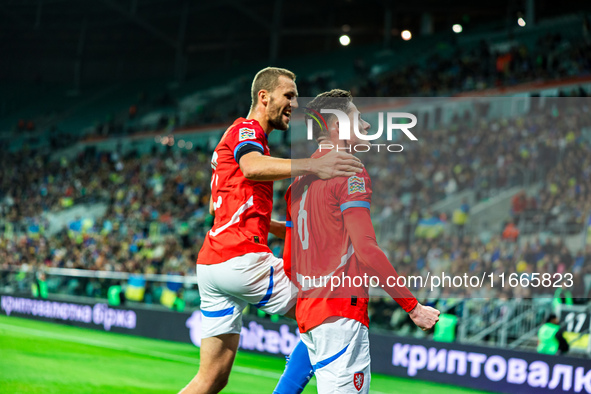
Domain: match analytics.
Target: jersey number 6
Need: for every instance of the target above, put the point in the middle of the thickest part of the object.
(303, 223)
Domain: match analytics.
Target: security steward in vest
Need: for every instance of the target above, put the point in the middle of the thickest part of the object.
(550, 338)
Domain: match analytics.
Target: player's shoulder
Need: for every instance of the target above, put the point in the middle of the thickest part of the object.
(300, 185)
(246, 129)
(359, 183)
(242, 132)
(362, 177)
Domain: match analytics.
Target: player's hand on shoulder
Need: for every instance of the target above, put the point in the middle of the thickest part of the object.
(335, 164)
(424, 317)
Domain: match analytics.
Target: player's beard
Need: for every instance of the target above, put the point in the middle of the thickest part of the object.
(277, 121)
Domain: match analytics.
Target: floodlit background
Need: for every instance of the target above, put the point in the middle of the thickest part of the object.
(109, 113)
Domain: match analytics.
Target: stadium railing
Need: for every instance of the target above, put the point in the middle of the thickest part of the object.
(75, 283)
(514, 324)
(501, 322)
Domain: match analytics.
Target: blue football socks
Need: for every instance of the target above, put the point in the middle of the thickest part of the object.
(298, 371)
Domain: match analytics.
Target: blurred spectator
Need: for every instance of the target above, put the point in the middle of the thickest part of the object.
(460, 217)
(132, 111)
(510, 232)
(518, 205)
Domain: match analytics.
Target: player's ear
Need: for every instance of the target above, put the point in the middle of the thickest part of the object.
(264, 97)
(334, 128)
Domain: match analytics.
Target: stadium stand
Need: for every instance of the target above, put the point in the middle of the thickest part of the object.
(156, 202)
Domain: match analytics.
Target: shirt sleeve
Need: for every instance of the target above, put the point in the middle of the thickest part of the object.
(374, 261)
(354, 192)
(245, 138)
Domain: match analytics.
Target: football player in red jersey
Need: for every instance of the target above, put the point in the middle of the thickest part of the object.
(235, 266)
(333, 237)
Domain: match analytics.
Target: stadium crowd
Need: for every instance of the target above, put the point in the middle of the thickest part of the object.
(550, 147)
(157, 204)
(153, 204)
(481, 67)
(564, 200)
(155, 186)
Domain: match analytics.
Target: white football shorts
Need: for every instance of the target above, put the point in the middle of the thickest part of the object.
(339, 352)
(227, 288)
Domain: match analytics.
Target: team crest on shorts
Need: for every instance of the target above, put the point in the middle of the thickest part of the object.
(358, 379)
(246, 134)
(356, 185)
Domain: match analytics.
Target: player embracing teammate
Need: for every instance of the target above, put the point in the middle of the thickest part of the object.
(235, 266)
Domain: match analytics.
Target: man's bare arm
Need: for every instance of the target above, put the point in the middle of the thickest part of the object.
(258, 167)
(277, 229)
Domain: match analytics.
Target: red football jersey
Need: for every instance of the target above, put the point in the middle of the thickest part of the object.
(322, 248)
(242, 207)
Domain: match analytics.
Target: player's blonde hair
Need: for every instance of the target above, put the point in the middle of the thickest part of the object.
(268, 79)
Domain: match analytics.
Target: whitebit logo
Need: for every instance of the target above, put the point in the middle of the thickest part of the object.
(252, 337)
(194, 326)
